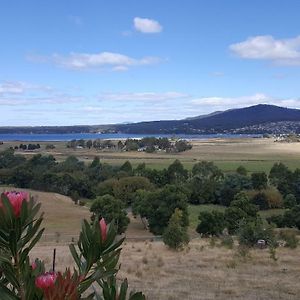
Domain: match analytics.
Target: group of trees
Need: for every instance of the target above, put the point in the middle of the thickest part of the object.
(28, 147)
(156, 194)
(147, 144)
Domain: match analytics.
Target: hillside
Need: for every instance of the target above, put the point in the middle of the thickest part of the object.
(219, 122)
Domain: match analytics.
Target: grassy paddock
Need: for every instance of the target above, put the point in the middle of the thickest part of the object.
(255, 154)
(200, 272)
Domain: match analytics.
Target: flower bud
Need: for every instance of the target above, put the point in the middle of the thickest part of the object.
(46, 280)
(103, 228)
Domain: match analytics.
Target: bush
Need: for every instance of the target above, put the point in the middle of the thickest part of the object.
(290, 201)
(110, 209)
(227, 241)
(95, 256)
(240, 209)
(175, 235)
(250, 232)
(289, 236)
(266, 198)
(291, 218)
(211, 223)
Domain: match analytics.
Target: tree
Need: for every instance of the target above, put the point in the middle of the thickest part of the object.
(211, 223)
(175, 235)
(259, 180)
(240, 209)
(176, 172)
(290, 201)
(110, 208)
(230, 186)
(260, 199)
(125, 188)
(242, 170)
(127, 168)
(89, 144)
(158, 206)
(206, 177)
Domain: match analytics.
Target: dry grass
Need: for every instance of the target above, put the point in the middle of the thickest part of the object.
(254, 154)
(199, 272)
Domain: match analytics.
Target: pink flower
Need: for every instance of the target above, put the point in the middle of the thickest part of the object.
(46, 280)
(16, 199)
(33, 265)
(103, 228)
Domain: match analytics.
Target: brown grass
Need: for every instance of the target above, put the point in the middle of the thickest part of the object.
(201, 271)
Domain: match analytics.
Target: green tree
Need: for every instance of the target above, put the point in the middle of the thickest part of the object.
(240, 209)
(110, 208)
(125, 188)
(242, 170)
(211, 223)
(259, 180)
(176, 172)
(127, 168)
(158, 206)
(175, 235)
(89, 144)
(290, 201)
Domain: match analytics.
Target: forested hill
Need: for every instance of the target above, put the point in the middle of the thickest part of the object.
(219, 122)
(260, 118)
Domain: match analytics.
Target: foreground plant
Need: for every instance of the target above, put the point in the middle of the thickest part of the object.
(96, 256)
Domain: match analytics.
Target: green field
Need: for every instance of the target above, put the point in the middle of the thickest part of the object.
(254, 154)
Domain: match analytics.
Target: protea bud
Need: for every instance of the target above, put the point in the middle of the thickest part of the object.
(46, 280)
(103, 228)
(16, 199)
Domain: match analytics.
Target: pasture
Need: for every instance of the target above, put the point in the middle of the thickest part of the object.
(203, 270)
(254, 154)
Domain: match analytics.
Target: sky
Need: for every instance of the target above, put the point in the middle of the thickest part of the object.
(101, 62)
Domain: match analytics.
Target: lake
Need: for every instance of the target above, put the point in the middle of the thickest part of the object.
(112, 136)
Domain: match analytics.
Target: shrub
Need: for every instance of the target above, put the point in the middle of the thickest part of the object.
(291, 218)
(175, 235)
(290, 238)
(240, 209)
(110, 209)
(211, 223)
(242, 170)
(250, 232)
(290, 201)
(259, 180)
(266, 198)
(227, 241)
(95, 257)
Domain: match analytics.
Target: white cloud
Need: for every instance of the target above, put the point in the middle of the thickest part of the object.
(145, 25)
(19, 87)
(14, 93)
(145, 96)
(102, 60)
(266, 47)
(216, 103)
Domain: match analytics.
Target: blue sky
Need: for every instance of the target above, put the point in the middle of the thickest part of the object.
(97, 62)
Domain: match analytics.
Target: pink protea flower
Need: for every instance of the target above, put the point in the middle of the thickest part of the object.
(46, 280)
(103, 228)
(16, 199)
(33, 265)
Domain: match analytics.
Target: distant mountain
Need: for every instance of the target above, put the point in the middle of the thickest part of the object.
(226, 121)
(260, 118)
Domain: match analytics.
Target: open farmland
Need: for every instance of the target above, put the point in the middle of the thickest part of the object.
(204, 270)
(255, 154)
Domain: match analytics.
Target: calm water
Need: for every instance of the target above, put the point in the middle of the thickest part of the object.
(92, 136)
